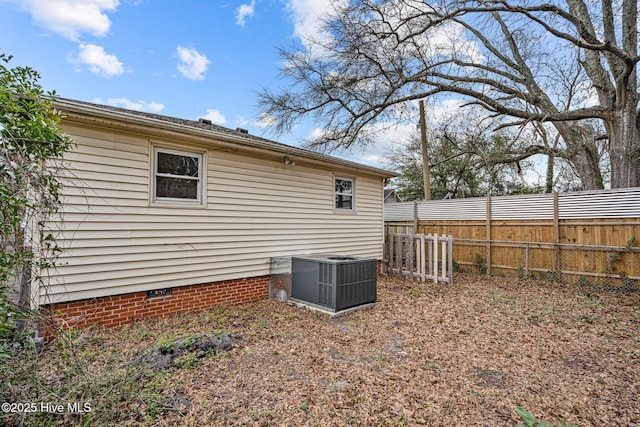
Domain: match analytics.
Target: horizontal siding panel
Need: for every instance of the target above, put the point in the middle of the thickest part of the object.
(244, 200)
(399, 211)
(185, 258)
(166, 219)
(115, 151)
(530, 206)
(101, 240)
(89, 200)
(91, 159)
(621, 203)
(100, 138)
(155, 249)
(123, 193)
(453, 209)
(214, 235)
(95, 185)
(93, 212)
(264, 169)
(81, 168)
(86, 178)
(289, 194)
(270, 181)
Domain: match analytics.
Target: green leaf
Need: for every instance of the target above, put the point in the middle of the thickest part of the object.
(527, 417)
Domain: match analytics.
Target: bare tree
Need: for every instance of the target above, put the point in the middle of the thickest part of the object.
(562, 62)
(466, 158)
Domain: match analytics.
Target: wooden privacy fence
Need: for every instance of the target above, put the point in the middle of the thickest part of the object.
(590, 236)
(419, 257)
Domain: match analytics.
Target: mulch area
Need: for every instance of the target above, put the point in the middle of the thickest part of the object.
(467, 354)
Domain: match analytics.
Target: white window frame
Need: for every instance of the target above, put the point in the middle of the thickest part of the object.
(353, 194)
(201, 178)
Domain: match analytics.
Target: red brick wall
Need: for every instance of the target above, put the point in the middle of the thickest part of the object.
(119, 310)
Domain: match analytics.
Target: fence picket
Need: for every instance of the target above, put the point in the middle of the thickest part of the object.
(417, 256)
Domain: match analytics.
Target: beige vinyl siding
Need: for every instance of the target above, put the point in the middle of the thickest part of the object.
(257, 208)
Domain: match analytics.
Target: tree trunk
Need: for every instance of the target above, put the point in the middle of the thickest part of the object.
(624, 149)
(582, 153)
(551, 161)
(586, 164)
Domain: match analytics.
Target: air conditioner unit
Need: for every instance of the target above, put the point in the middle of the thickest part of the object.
(333, 282)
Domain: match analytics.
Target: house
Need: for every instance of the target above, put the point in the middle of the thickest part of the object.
(163, 215)
(391, 196)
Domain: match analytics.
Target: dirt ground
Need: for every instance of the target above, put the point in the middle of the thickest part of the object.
(437, 355)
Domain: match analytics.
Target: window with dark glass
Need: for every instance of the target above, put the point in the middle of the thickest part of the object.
(177, 176)
(344, 193)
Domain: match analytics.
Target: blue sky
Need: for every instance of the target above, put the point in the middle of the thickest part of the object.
(188, 59)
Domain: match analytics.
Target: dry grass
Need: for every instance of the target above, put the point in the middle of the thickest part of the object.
(427, 354)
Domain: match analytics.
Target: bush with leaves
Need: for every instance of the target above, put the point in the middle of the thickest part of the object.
(32, 149)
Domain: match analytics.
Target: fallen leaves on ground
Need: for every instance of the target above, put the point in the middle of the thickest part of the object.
(426, 354)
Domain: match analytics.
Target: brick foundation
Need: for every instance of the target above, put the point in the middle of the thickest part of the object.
(119, 310)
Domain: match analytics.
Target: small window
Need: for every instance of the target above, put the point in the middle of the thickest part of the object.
(177, 176)
(344, 194)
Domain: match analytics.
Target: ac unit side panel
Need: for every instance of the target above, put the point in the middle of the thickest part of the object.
(304, 280)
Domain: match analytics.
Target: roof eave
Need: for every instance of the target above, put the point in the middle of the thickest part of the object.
(67, 105)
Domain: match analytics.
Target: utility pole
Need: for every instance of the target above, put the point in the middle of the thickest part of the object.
(426, 172)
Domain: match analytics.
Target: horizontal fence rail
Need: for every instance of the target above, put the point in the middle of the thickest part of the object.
(605, 266)
(419, 257)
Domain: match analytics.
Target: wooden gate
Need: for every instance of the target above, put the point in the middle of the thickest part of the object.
(419, 257)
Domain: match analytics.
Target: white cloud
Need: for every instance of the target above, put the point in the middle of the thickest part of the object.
(151, 107)
(307, 16)
(215, 116)
(244, 11)
(266, 121)
(317, 133)
(243, 121)
(388, 135)
(193, 64)
(99, 61)
(70, 18)
(442, 111)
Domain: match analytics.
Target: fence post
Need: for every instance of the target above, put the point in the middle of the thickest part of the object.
(488, 231)
(392, 252)
(450, 250)
(410, 258)
(526, 261)
(435, 258)
(430, 255)
(444, 256)
(556, 235)
(422, 259)
(399, 255)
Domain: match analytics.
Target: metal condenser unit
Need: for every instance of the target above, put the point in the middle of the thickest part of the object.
(333, 282)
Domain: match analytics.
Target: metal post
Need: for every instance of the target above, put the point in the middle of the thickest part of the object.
(526, 261)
